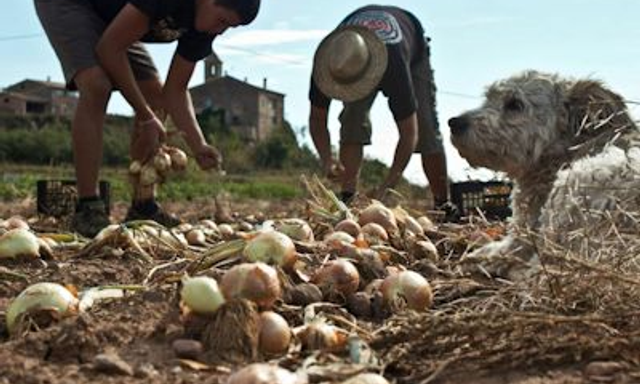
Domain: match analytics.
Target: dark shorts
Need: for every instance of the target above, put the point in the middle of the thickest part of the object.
(356, 125)
(74, 28)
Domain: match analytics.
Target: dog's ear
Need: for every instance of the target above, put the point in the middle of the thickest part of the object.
(591, 110)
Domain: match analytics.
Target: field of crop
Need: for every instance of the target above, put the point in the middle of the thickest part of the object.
(336, 284)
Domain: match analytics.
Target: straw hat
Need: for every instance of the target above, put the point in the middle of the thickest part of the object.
(349, 63)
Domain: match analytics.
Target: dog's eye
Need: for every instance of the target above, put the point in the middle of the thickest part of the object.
(514, 105)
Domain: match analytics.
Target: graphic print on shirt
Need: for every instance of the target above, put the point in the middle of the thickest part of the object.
(165, 30)
(382, 23)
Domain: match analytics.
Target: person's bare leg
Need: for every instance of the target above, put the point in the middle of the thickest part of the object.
(435, 168)
(351, 159)
(87, 128)
(152, 91)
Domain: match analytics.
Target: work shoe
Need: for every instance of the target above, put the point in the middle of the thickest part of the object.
(449, 212)
(155, 213)
(90, 218)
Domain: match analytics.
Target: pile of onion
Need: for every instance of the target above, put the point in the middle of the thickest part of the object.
(256, 282)
(407, 287)
(41, 296)
(156, 169)
(271, 247)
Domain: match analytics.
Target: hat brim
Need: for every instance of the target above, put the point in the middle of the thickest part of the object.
(359, 88)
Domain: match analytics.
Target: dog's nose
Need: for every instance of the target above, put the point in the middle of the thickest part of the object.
(458, 125)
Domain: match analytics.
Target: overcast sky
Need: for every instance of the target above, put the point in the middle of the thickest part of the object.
(473, 44)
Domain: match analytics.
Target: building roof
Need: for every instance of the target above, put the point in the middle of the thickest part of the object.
(48, 84)
(240, 82)
(22, 96)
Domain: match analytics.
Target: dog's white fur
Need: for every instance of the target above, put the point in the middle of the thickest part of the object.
(570, 147)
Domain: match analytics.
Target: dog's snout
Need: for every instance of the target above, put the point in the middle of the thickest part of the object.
(458, 125)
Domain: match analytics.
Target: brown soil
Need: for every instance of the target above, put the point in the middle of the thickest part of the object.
(140, 328)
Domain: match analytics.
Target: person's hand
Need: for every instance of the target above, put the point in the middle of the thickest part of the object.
(208, 157)
(146, 139)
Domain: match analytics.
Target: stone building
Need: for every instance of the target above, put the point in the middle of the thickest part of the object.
(250, 110)
(38, 97)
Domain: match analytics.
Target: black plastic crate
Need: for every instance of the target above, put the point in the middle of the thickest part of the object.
(58, 198)
(490, 197)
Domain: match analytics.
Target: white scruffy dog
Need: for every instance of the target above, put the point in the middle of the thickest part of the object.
(571, 149)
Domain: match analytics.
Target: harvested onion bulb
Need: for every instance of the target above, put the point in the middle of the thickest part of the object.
(19, 242)
(296, 229)
(318, 335)
(337, 276)
(349, 226)
(271, 247)
(408, 287)
(257, 282)
(41, 296)
(201, 294)
(366, 378)
(274, 333)
(378, 213)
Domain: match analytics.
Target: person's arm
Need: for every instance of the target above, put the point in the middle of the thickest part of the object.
(180, 108)
(320, 133)
(408, 130)
(128, 27)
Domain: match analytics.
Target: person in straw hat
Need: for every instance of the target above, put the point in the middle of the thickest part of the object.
(377, 48)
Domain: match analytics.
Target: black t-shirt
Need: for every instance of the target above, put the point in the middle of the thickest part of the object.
(403, 35)
(170, 20)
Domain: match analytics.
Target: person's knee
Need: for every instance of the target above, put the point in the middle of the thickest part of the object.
(94, 85)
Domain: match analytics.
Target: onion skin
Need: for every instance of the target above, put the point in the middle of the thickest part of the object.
(271, 247)
(257, 282)
(319, 335)
(262, 373)
(338, 239)
(338, 275)
(408, 286)
(19, 242)
(41, 296)
(274, 333)
(201, 294)
(374, 233)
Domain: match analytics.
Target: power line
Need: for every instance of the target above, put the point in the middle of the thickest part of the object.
(21, 37)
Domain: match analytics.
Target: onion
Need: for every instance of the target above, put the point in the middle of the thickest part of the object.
(378, 213)
(135, 167)
(271, 247)
(338, 239)
(209, 224)
(337, 275)
(319, 335)
(148, 176)
(407, 286)
(178, 158)
(374, 233)
(162, 162)
(349, 226)
(262, 373)
(257, 282)
(196, 237)
(201, 294)
(49, 296)
(15, 222)
(19, 242)
(425, 249)
(412, 225)
(226, 230)
(275, 334)
(366, 378)
(297, 229)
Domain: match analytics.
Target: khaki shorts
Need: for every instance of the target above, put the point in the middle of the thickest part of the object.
(74, 28)
(356, 125)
